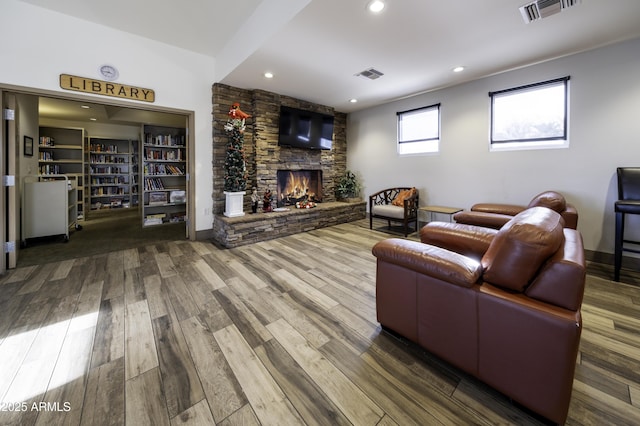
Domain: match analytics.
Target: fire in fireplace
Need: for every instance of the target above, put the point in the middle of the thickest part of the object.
(299, 185)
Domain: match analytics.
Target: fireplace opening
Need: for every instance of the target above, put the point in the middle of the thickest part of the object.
(299, 185)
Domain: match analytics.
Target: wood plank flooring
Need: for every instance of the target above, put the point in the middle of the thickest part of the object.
(280, 332)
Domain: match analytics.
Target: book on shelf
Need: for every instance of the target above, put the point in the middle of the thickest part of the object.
(47, 141)
(178, 217)
(164, 140)
(154, 219)
(151, 184)
(157, 198)
(156, 216)
(178, 196)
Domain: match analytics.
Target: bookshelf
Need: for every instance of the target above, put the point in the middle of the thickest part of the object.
(113, 173)
(164, 180)
(61, 152)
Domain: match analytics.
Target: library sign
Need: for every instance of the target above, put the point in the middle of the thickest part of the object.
(107, 88)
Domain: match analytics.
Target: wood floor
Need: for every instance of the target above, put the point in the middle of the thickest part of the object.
(276, 333)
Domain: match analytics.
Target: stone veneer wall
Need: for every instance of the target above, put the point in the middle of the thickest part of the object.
(263, 155)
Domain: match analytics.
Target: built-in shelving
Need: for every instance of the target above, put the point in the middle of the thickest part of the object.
(113, 173)
(164, 175)
(61, 152)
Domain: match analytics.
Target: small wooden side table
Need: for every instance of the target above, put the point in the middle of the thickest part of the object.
(431, 210)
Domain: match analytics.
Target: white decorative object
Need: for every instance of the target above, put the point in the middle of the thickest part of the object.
(233, 204)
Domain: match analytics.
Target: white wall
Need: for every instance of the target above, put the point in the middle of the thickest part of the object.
(604, 134)
(39, 45)
(27, 121)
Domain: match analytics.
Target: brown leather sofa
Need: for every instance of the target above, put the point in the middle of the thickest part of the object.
(502, 305)
(495, 215)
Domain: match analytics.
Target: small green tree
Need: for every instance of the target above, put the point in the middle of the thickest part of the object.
(235, 169)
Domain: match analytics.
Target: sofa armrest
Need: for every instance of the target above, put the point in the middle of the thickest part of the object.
(561, 279)
(570, 216)
(429, 260)
(508, 209)
(467, 240)
(484, 219)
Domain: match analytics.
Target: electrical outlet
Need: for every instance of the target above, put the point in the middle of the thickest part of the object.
(207, 211)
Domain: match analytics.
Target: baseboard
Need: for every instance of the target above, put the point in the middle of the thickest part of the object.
(607, 259)
(205, 234)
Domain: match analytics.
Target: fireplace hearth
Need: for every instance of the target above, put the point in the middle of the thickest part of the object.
(298, 185)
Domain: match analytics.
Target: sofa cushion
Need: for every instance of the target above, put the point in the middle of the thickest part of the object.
(521, 247)
(550, 199)
(387, 210)
(403, 195)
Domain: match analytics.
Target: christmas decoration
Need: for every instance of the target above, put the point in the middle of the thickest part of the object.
(254, 199)
(235, 170)
(305, 204)
(236, 112)
(267, 199)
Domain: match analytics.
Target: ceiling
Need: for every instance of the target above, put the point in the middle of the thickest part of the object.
(316, 54)
(62, 109)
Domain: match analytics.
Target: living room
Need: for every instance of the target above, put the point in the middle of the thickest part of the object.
(193, 298)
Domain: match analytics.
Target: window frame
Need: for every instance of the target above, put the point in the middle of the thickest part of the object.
(401, 142)
(561, 141)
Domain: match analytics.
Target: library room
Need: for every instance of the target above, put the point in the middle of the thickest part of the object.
(120, 172)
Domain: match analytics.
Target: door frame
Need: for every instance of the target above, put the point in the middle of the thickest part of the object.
(11, 208)
(3, 194)
(189, 116)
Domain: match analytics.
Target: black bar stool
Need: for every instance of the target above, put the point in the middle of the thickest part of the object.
(628, 203)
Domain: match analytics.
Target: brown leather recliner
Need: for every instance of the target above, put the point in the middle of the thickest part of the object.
(502, 305)
(495, 215)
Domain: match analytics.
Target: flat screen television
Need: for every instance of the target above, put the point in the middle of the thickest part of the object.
(305, 129)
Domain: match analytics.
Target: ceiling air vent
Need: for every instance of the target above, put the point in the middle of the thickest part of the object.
(540, 9)
(371, 74)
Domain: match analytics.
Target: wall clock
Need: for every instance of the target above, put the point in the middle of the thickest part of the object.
(109, 72)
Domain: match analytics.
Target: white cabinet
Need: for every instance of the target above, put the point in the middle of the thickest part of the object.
(49, 206)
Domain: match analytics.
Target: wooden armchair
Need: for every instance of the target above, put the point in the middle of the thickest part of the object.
(395, 204)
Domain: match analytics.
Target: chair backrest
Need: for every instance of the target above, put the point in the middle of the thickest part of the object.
(521, 246)
(550, 199)
(628, 183)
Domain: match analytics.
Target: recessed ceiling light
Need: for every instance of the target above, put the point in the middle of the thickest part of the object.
(353, 101)
(85, 106)
(458, 69)
(93, 119)
(375, 6)
(268, 74)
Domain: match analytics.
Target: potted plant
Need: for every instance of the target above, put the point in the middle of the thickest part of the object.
(235, 170)
(348, 188)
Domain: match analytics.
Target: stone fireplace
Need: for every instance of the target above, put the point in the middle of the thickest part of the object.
(298, 185)
(316, 171)
(264, 157)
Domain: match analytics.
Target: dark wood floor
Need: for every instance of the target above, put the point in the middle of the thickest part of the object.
(280, 332)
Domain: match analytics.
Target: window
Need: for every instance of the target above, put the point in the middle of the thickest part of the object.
(531, 116)
(419, 130)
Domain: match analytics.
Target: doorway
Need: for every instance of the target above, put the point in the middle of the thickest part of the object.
(102, 118)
